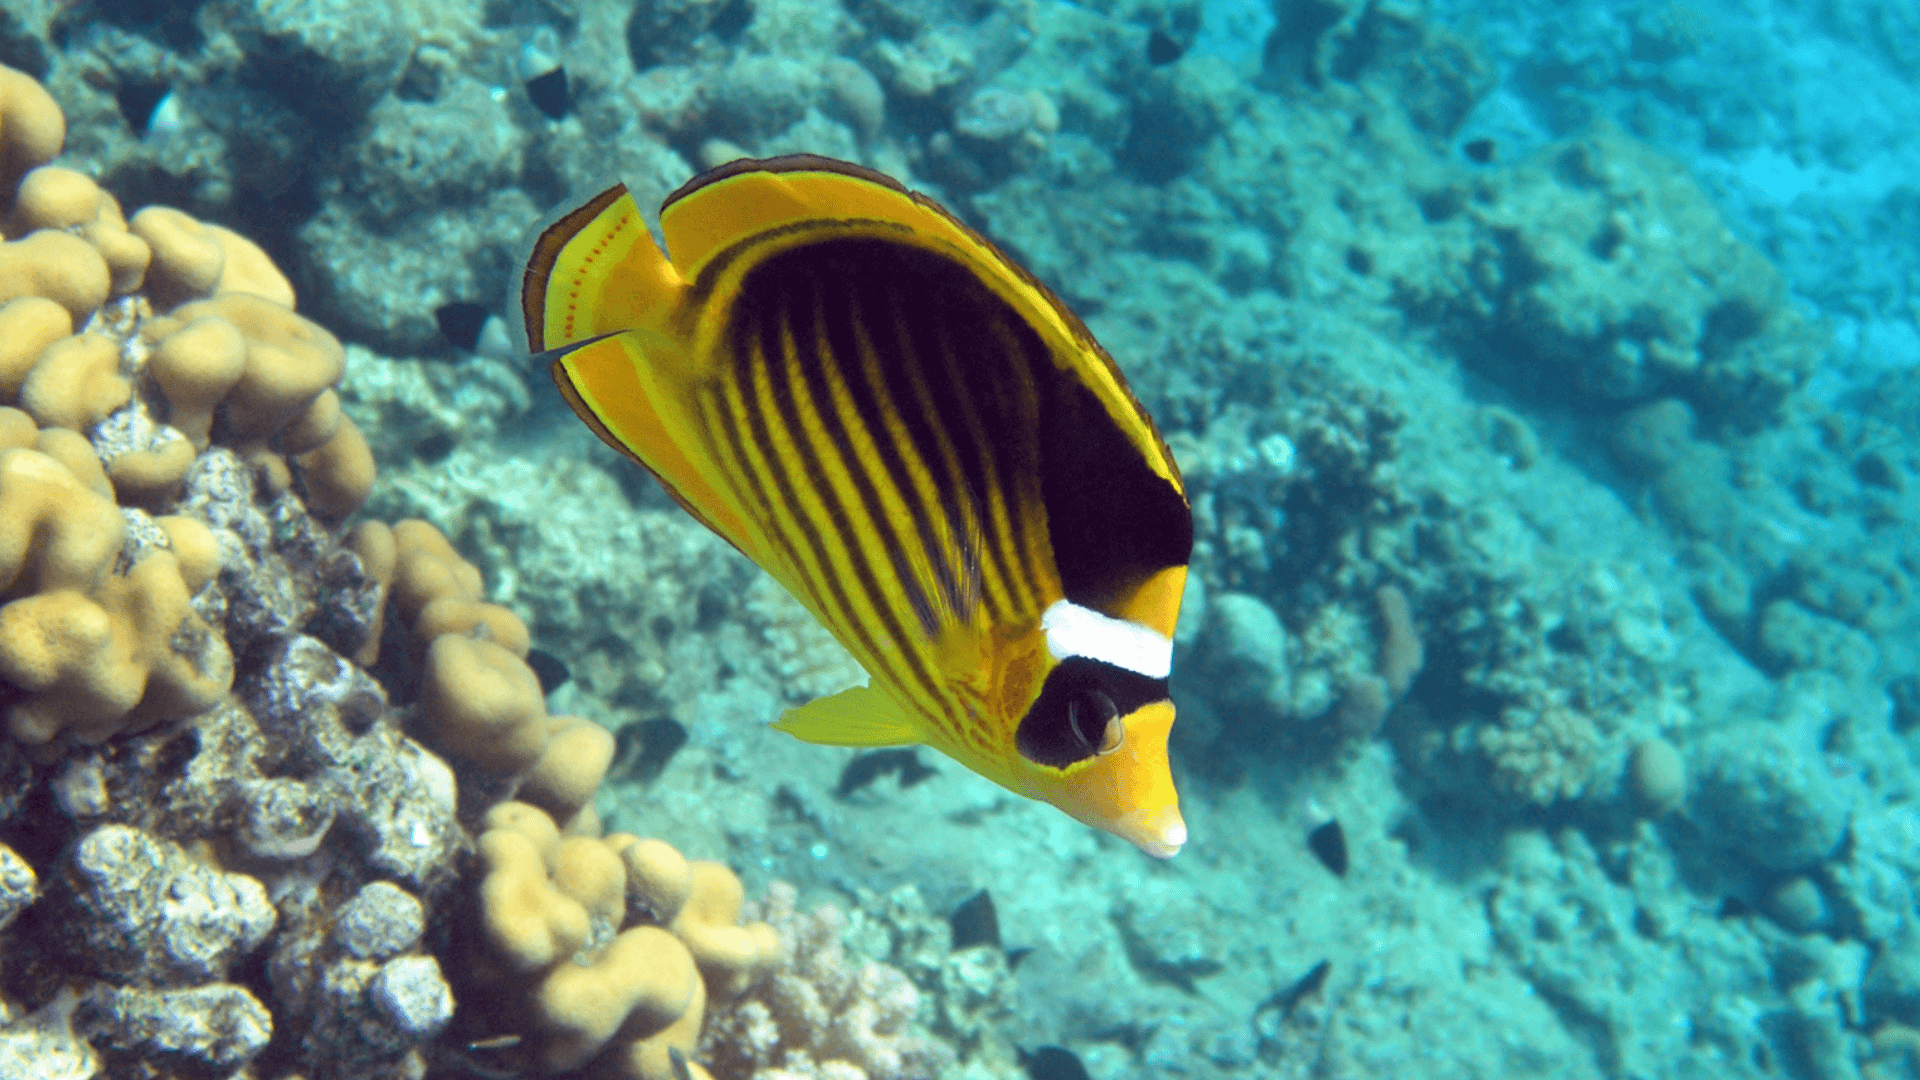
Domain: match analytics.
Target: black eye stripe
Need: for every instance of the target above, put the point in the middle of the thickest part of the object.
(1095, 690)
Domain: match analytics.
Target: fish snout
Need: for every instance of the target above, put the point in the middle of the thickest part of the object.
(1128, 792)
(1159, 832)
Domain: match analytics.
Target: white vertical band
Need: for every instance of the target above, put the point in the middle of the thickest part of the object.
(1073, 630)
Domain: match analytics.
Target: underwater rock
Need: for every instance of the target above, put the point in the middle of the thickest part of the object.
(1163, 943)
(329, 59)
(1242, 655)
(357, 1031)
(1892, 985)
(1790, 637)
(381, 921)
(283, 818)
(205, 1030)
(412, 996)
(448, 255)
(419, 156)
(139, 908)
(19, 885)
(1764, 800)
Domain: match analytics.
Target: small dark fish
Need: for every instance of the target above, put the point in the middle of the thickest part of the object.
(1329, 845)
(643, 750)
(865, 768)
(460, 323)
(975, 922)
(1054, 1063)
(1162, 49)
(550, 94)
(549, 669)
(139, 101)
(1289, 999)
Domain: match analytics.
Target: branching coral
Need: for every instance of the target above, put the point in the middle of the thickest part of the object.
(821, 1015)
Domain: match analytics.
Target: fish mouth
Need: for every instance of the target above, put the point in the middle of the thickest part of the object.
(1160, 833)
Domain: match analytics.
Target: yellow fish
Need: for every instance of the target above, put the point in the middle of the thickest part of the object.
(919, 441)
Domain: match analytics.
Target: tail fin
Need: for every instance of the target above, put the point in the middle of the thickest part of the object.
(593, 272)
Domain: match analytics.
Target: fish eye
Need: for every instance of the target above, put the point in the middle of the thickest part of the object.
(1095, 721)
(1081, 712)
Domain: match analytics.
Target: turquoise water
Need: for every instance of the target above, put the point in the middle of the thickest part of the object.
(1544, 381)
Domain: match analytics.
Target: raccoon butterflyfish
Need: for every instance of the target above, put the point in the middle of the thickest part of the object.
(919, 441)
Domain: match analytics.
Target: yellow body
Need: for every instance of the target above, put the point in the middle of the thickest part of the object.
(882, 449)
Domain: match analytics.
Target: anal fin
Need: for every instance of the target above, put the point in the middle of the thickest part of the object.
(862, 716)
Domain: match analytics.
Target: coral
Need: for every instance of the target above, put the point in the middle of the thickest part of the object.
(1658, 775)
(31, 128)
(1605, 270)
(64, 200)
(28, 324)
(611, 949)
(820, 1013)
(187, 259)
(482, 704)
(1402, 654)
(193, 259)
(572, 764)
(57, 265)
(437, 592)
(76, 383)
(1768, 801)
(88, 647)
(1544, 755)
(235, 844)
(290, 363)
(1368, 696)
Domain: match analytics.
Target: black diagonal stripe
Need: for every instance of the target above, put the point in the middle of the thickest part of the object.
(758, 345)
(1006, 432)
(936, 423)
(975, 426)
(861, 370)
(1042, 378)
(788, 377)
(725, 417)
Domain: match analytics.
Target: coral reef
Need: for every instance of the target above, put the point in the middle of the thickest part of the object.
(224, 848)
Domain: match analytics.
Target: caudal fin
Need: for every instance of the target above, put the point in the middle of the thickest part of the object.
(595, 271)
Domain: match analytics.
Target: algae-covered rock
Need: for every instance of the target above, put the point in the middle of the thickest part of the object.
(1600, 269)
(1767, 801)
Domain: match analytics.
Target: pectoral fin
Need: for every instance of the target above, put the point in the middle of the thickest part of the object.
(861, 716)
